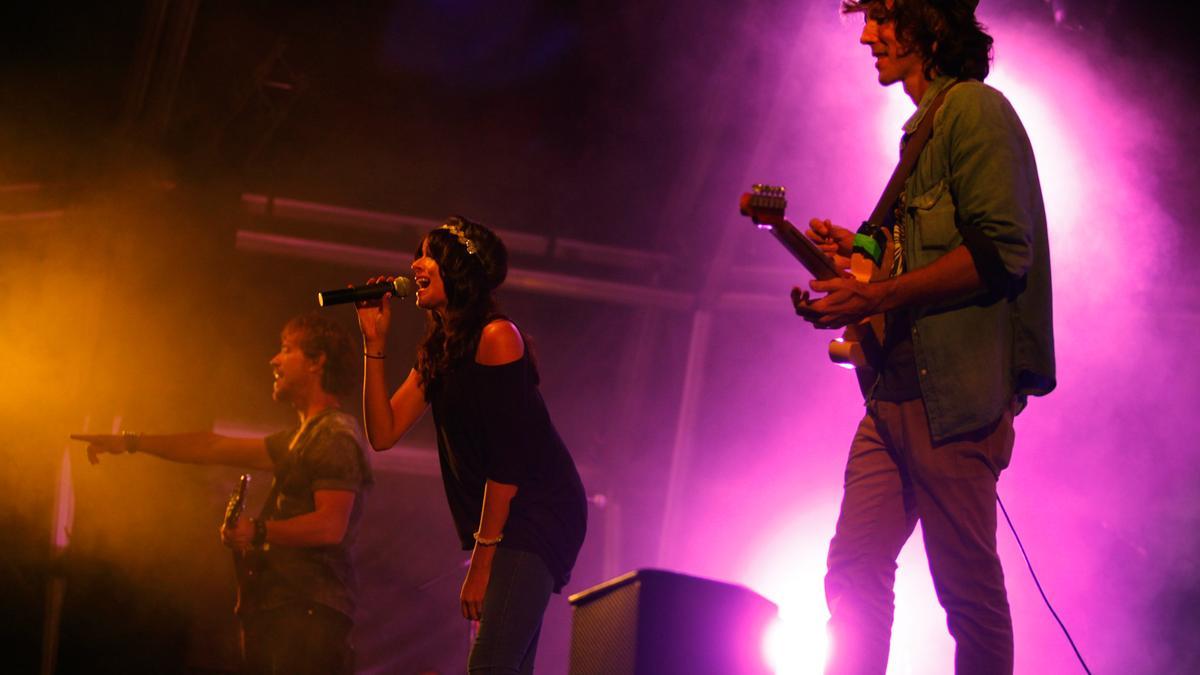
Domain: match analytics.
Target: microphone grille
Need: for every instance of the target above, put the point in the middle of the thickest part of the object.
(404, 287)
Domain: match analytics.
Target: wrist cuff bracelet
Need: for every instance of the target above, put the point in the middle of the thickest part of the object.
(132, 441)
(260, 533)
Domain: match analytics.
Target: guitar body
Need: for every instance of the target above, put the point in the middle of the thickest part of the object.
(247, 566)
(861, 344)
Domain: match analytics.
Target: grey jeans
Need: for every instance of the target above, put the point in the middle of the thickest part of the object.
(517, 594)
(896, 476)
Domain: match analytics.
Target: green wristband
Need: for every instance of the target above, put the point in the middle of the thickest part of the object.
(869, 247)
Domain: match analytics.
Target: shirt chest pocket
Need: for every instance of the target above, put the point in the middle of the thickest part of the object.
(933, 223)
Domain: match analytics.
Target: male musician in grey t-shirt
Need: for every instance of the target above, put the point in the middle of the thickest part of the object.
(296, 595)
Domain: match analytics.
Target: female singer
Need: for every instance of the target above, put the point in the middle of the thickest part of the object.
(514, 492)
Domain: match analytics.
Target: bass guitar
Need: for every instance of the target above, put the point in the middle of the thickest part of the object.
(860, 346)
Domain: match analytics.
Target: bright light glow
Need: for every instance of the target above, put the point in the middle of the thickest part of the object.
(1092, 145)
(897, 108)
(790, 570)
(1056, 145)
(795, 649)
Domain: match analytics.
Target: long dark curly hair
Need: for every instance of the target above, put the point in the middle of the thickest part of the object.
(470, 278)
(946, 33)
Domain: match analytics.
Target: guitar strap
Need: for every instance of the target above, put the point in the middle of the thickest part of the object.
(269, 506)
(870, 240)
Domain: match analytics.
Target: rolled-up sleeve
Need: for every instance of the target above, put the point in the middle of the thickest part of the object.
(989, 160)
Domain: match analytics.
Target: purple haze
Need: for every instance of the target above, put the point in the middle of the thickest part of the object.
(1103, 478)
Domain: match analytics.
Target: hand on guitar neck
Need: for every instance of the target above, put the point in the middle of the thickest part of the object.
(237, 532)
(834, 241)
(240, 536)
(848, 299)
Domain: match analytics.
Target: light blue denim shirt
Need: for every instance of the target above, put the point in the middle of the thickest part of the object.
(977, 176)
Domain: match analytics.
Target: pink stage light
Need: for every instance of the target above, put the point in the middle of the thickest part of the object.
(789, 570)
(791, 650)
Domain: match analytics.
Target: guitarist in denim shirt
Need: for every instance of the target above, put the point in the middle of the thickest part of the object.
(296, 581)
(969, 337)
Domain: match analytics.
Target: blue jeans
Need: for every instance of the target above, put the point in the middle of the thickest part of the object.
(511, 620)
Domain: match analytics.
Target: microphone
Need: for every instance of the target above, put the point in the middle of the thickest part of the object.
(402, 287)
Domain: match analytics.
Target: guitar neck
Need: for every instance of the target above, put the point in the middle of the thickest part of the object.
(765, 206)
(814, 259)
(237, 502)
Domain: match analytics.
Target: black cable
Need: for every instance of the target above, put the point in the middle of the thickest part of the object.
(1039, 585)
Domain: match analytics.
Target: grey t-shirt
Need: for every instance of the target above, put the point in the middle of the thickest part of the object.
(327, 453)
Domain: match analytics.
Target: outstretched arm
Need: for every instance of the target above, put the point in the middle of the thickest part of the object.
(192, 448)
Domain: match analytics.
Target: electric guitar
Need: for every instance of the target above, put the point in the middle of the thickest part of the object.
(244, 563)
(860, 346)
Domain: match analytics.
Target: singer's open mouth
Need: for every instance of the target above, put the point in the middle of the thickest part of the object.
(422, 282)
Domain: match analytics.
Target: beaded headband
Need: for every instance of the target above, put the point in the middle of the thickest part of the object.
(455, 228)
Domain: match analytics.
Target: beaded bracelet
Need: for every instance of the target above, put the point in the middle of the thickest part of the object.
(488, 542)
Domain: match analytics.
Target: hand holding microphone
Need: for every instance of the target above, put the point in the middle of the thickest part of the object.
(373, 307)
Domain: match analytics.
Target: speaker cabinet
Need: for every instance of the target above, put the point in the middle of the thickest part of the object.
(654, 622)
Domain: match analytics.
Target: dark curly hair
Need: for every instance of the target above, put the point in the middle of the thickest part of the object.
(946, 33)
(317, 335)
(470, 279)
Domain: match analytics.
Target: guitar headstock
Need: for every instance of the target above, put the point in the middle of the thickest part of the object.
(237, 502)
(765, 205)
